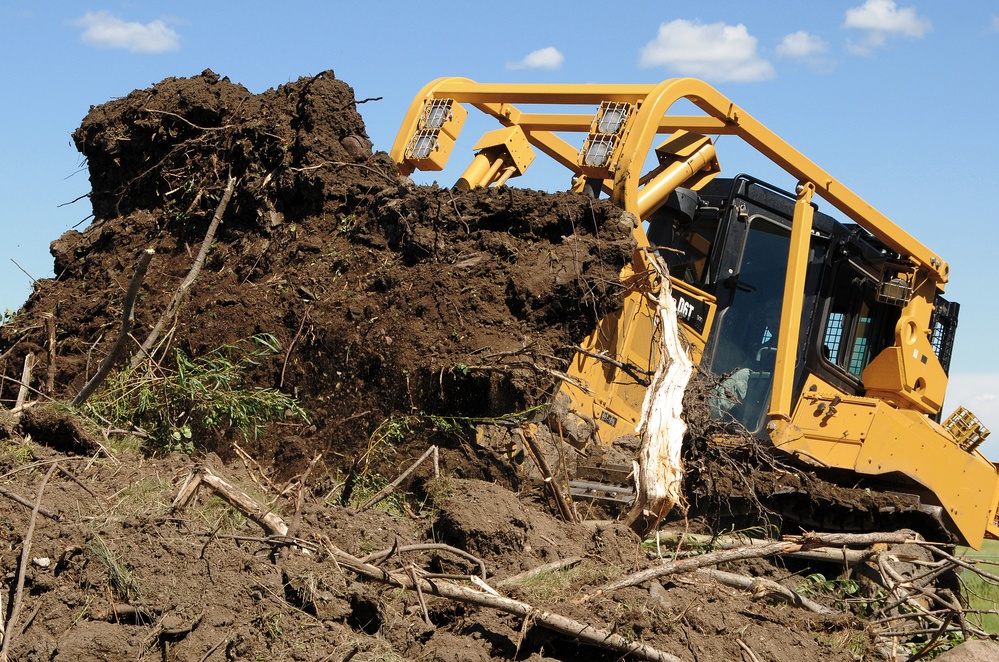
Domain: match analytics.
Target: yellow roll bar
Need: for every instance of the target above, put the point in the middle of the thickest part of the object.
(722, 117)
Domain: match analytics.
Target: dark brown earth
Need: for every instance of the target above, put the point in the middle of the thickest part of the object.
(404, 314)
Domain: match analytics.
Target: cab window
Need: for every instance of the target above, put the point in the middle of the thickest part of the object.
(857, 327)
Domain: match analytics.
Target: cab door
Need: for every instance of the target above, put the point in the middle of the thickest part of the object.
(749, 279)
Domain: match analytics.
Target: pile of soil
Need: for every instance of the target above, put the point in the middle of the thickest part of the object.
(382, 293)
(394, 304)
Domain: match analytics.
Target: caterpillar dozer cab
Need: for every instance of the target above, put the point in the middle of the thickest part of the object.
(833, 338)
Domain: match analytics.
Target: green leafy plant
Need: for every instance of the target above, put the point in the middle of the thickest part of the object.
(931, 650)
(817, 583)
(348, 223)
(203, 393)
(383, 440)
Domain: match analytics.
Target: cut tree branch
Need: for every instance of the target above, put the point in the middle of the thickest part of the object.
(127, 320)
(236, 497)
(760, 586)
(777, 548)
(385, 491)
(551, 483)
(199, 262)
(15, 610)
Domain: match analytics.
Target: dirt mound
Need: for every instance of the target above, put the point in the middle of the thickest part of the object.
(387, 298)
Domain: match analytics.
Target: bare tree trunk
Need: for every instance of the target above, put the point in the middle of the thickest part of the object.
(659, 478)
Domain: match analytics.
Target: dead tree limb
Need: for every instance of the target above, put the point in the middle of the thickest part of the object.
(563, 625)
(44, 512)
(15, 610)
(374, 557)
(817, 540)
(22, 392)
(696, 562)
(237, 498)
(778, 548)
(759, 587)
(964, 564)
(551, 483)
(385, 491)
(127, 320)
(554, 566)
(192, 275)
(255, 510)
(50, 379)
(846, 557)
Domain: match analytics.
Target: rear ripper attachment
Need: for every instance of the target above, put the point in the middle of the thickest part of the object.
(831, 339)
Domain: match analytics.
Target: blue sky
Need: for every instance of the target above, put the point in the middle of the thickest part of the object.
(895, 99)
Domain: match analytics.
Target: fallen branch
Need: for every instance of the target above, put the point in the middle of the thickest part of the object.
(749, 651)
(385, 491)
(630, 370)
(561, 624)
(44, 512)
(847, 557)
(15, 610)
(964, 564)
(551, 483)
(425, 547)
(419, 596)
(527, 575)
(342, 164)
(22, 392)
(255, 510)
(778, 548)
(192, 275)
(694, 563)
(127, 320)
(236, 497)
(759, 587)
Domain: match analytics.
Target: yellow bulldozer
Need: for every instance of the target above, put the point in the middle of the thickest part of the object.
(832, 337)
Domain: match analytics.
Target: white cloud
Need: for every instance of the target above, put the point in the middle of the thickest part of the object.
(104, 30)
(880, 19)
(995, 23)
(716, 52)
(801, 45)
(543, 58)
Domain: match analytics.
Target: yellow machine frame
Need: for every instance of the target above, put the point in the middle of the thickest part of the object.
(888, 430)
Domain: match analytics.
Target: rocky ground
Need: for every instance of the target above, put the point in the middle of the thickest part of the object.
(334, 323)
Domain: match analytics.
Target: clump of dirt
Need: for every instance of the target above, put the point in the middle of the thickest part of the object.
(403, 313)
